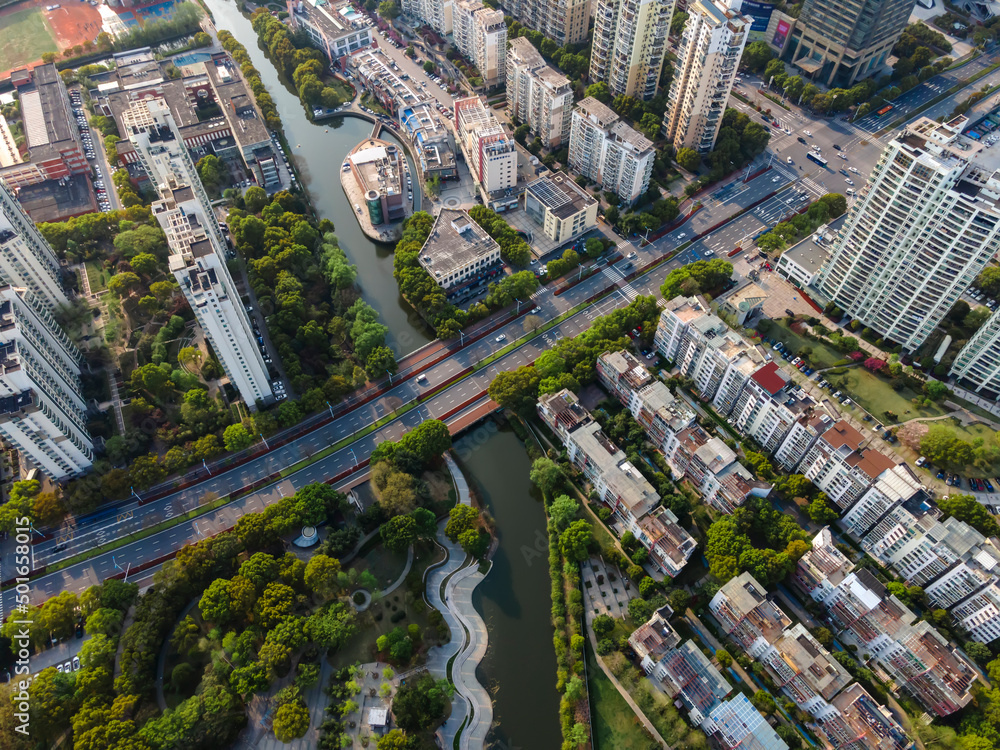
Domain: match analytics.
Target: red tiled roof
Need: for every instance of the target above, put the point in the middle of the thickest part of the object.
(843, 434)
(767, 377)
(874, 463)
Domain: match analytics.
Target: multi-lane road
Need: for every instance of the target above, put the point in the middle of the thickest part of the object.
(790, 181)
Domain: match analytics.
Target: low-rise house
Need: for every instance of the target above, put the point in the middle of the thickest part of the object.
(459, 255)
(654, 638)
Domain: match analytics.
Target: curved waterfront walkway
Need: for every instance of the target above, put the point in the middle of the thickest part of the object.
(449, 589)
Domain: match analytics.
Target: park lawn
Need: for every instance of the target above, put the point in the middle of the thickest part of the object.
(876, 396)
(24, 37)
(614, 723)
(344, 92)
(96, 276)
(382, 563)
(822, 355)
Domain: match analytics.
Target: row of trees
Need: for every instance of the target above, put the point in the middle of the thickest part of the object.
(252, 76)
(571, 362)
(514, 249)
(785, 233)
(696, 278)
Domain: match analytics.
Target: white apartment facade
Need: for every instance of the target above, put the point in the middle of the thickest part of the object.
(629, 41)
(480, 33)
(707, 58)
(537, 95)
(560, 207)
(42, 410)
(197, 248)
(609, 152)
(334, 27)
(26, 258)
(920, 232)
(840, 464)
(979, 615)
(489, 148)
(977, 366)
(438, 13)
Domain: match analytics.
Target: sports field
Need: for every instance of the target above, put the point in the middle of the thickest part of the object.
(25, 35)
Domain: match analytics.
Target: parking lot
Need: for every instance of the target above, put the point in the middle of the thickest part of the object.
(87, 137)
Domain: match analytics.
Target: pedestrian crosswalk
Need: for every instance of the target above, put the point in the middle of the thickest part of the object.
(812, 186)
(616, 276)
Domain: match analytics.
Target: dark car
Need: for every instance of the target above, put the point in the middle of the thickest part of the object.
(836, 146)
(845, 173)
(800, 139)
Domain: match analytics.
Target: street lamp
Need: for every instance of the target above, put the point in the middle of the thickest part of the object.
(351, 451)
(330, 408)
(265, 441)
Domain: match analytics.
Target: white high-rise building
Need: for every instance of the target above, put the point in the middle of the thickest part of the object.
(42, 410)
(489, 148)
(537, 95)
(918, 235)
(979, 615)
(630, 38)
(26, 258)
(977, 366)
(609, 152)
(707, 58)
(438, 13)
(480, 34)
(197, 248)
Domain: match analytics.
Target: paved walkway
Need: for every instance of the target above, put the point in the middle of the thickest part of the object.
(458, 575)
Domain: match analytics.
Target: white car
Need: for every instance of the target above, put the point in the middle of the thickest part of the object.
(848, 180)
(808, 133)
(789, 160)
(842, 155)
(631, 255)
(501, 337)
(853, 169)
(776, 179)
(682, 235)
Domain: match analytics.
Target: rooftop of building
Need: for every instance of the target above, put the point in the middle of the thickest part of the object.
(799, 648)
(333, 18)
(49, 126)
(743, 594)
(870, 720)
(715, 455)
(624, 480)
(378, 166)
(771, 378)
(674, 411)
(671, 539)
(944, 144)
(566, 409)
(738, 720)
(699, 684)
(601, 114)
(623, 133)
(57, 200)
(560, 195)
(654, 637)
(812, 252)
(842, 435)
(236, 101)
(871, 462)
(455, 241)
(626, 367)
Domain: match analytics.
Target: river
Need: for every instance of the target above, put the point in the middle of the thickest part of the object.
(318, 155)
(515, 598)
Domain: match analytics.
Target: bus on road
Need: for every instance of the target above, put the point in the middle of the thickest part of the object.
(816, 158)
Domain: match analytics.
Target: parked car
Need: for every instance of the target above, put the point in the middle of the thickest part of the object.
(921, 461)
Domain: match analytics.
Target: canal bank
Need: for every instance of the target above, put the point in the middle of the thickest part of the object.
(519, 668)
(319, 151)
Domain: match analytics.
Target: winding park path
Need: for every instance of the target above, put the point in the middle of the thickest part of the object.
(449, 589)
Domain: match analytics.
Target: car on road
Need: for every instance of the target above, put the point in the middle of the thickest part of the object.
(789, 160)
(808, 133)
(421, 378)
(853, 169)
(501, 337)
(845, 173)
(631, 255)
(533, 262)
(776, 179)
(682, 235)
(850, 191)
(800, 139)
(836, 147)
(849, 181)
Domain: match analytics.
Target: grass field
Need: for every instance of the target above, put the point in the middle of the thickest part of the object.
(877, 396)
(24, 37)
(822, 355)
(96, 276)
(615, 724)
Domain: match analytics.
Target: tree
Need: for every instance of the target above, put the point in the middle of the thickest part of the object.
(688, 159)
(756, 56)
(291, 721)
(966, 508)
(599, 91)
(399, 532)
(255, 198)
(575, 541)
(724, 658)
(144, 263)
(603, 626)
(122, 284)
(935, 389)
(943, 448)
(677, 23)
(546, 474)
(237, 438)
(820, 512)
(979, 651)
(321, 574)
(975, 319)
(429, 67)
(989, 280)
(104, 620)
(389, 10)
(563, 511)
(394, 740)
(419, 704)
(380, 361)
(824, 636)
(763, 702)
